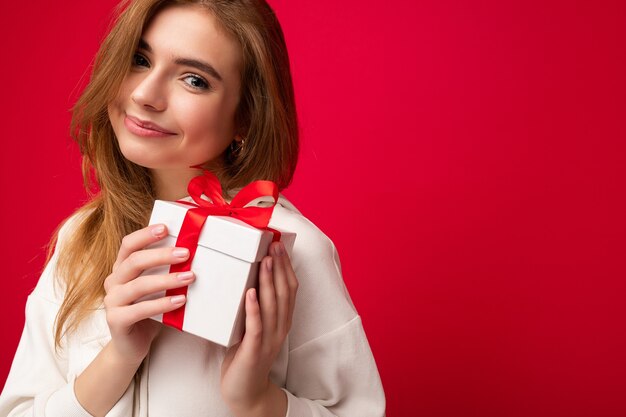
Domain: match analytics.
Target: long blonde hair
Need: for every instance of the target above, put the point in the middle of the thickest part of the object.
(266, 114)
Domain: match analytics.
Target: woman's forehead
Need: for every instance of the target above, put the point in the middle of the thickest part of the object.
(193, 32)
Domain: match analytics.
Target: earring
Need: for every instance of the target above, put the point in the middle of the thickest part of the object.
(236, 147)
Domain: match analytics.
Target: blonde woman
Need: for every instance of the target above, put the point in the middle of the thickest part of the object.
(178, 84)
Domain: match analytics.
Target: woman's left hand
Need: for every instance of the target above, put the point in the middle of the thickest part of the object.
(245, 384)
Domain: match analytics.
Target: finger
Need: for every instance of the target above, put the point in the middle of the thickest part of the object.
(139, 261)
(124, 317)
(281, 287)
(291, 275)
(253, 337)
(146, 285)
(267, 296)
(139, 240)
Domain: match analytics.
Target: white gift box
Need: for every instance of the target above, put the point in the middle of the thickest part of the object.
(226, 265)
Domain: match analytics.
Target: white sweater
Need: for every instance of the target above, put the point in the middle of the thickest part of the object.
(326, 366)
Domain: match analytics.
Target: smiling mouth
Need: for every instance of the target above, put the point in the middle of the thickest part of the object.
(144, 129)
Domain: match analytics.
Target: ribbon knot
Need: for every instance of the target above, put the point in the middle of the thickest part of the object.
(208, 185)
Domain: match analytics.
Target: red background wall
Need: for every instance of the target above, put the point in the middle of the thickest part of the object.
(467, 158)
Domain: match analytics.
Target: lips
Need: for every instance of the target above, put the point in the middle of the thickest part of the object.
(145, 128)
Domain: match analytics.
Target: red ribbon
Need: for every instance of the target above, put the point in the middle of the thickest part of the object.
(209, 185)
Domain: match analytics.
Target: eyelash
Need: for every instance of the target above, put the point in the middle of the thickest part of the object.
(205, 86)
(138, 55)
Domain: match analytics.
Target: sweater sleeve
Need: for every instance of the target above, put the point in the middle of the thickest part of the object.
(331, 369)
(335, 375)
(37, 383)
(41, 379)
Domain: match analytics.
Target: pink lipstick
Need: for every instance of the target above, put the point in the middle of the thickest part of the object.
(145, 128)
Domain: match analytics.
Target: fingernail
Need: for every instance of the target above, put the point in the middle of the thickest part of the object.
(185, 276)
(279, 250)
(177, 299)
(158, 230)
(180, 252)
(253, 295)
(268, 264)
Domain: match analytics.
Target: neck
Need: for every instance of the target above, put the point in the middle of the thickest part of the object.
(171, 184)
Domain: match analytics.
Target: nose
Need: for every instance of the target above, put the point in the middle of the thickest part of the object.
(150, 93)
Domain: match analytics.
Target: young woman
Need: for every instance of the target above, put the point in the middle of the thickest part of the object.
(176, 85)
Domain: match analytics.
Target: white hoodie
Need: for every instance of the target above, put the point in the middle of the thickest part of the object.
(326, 366)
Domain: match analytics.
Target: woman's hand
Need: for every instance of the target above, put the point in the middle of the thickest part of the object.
(106, 378)
(245, 383)
(131, 333)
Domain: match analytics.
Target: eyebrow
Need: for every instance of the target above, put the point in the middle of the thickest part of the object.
(190, 62)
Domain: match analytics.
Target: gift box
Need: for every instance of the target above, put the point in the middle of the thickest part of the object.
(226, 264)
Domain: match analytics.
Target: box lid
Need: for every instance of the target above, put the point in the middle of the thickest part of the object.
(221, 233)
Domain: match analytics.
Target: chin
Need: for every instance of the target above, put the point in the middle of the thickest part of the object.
(141, 156)
(153, 161)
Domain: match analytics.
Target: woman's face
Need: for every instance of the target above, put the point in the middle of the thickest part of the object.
(176, 107)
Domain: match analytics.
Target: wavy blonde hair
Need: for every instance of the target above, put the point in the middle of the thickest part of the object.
(266, 115)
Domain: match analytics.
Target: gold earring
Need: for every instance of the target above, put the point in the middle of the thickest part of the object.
(236, 147)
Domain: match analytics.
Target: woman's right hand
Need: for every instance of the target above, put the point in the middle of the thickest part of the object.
(131, 332)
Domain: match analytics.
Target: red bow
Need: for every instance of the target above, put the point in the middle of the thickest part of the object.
(209, 185)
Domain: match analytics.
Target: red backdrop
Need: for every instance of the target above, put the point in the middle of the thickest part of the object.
(466, 157)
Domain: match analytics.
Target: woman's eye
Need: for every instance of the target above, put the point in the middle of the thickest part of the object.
(196, 82)
(140, 61)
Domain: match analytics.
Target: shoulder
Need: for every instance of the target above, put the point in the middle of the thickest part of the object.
(50, 286)
(287, 217)
(69, 226)
(324, 302)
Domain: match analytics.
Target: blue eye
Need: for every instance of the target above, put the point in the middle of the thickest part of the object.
(140, 60)
(197, 82)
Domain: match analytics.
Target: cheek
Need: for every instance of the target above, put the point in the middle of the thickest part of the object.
(116, 107)
(115, 113)
(112, 111)
(210, 118)
(122, 98)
